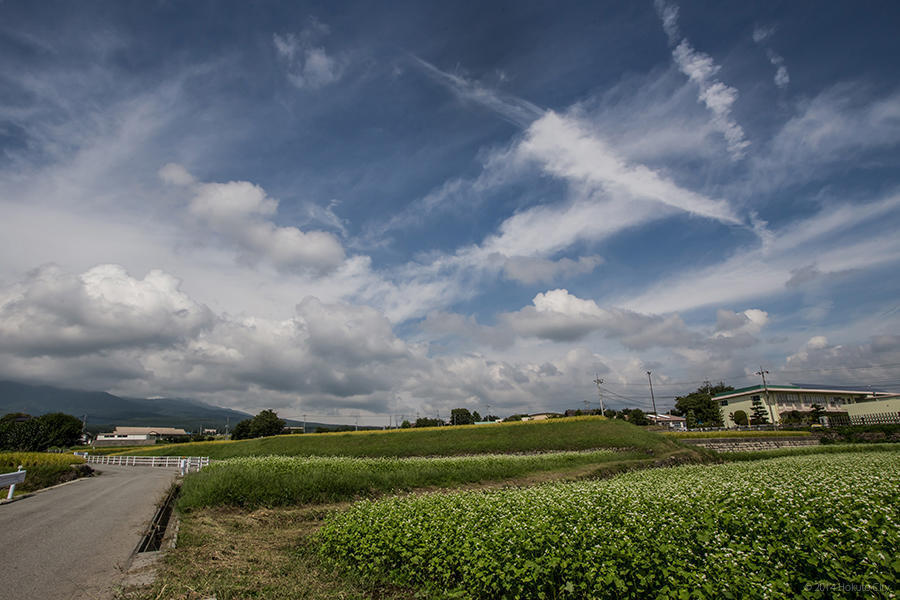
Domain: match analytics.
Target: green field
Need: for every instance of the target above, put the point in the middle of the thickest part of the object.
(785, 527)
(577, 433)
(270, 481)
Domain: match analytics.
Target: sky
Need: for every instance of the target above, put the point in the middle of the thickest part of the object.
(363, 210)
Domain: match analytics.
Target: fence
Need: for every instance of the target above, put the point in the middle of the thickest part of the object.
(11, 479)
(185, 463)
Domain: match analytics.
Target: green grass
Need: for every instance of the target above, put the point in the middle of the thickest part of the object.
(43, 469)
(808, 450)
(736, 434)
(777, 528)
(270, 481)
(578, 433)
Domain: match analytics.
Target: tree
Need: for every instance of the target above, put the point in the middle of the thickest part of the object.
(690, 419)
(266, 423)
(758, 414)
(739, 417)
(635, 416)
(24, 433)
(405, 424)
(426, 422)
(60, 430)
(706, 410)
(476, 417)
(242, 431)
(461, 416)
(609, 413)
(793, 417)
(816, 413)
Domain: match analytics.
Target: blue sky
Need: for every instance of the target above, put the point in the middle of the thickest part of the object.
(349, 209)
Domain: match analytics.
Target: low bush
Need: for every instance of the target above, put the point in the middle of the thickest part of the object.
(781, 528)
(860, 434)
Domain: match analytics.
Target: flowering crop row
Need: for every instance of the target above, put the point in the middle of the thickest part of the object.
(11, 460)
(786, 527)
(282, 480)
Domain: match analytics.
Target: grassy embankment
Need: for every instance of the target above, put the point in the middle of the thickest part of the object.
(577, 433)
(335, 467)
(43, 469)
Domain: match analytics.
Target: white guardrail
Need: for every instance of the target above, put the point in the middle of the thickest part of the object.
(185, 463)
(11, 479)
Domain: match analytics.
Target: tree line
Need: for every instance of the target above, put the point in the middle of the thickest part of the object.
(20, 432)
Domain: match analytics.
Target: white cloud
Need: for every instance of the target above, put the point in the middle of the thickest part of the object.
(515, 110)
(729, 323)
(768, 270)
(569, 149)
(762, 35)
(240, 212)
(308, 66)
(175, 174)
(54, 313)
(701, 69)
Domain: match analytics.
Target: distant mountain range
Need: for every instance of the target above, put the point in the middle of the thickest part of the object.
(105, 411)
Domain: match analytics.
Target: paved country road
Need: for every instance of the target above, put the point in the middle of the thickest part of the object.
(74, 542)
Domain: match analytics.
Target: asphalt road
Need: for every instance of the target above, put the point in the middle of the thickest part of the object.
(75, 541)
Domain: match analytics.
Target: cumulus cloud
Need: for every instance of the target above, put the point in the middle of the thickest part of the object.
(55, 313)
(308, 65)
(241, 213)
(560, 316)
(738, 329)
(116, 327)
(702, 69)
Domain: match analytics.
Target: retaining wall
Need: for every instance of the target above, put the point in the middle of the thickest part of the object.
(751, 444)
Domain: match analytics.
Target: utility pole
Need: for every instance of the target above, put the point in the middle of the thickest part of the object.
(652, 397)
(762, 373)
(227, 424)
(597, 382)
(304, 423)
(488, 415)
(357, 422)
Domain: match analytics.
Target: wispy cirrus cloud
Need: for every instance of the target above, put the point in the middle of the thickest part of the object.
(515, 110)
(702, 69)
(308, 65)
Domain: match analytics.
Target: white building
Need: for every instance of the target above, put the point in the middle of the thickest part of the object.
(779, 399)
(670, 421)
(137, 436)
